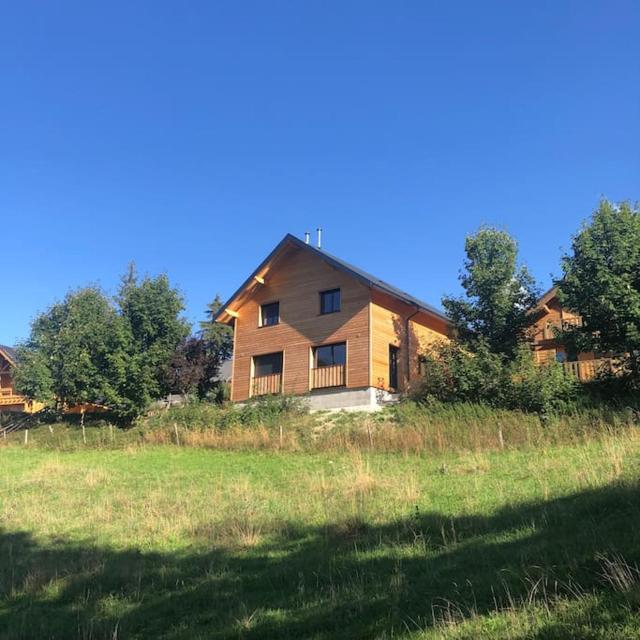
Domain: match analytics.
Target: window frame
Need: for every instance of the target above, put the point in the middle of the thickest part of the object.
(263, 355)
(261, 322)
(331, 346)
(335, 290)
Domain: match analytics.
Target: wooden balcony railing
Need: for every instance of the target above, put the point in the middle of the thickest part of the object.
(265, 385)
(332, 376)
(6, 400)
(586, 370)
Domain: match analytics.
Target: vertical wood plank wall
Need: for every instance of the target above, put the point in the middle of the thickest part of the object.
(295, 282)
(389, 327)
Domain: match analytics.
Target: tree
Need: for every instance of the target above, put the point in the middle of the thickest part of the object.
(151, 311)
(499, 294)
(196, 362)
(76, 353)
(218, 336)
(601, 281)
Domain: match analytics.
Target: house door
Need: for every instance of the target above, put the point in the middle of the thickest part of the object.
(393, 366)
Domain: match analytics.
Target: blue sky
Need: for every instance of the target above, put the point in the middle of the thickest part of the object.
(191, 136)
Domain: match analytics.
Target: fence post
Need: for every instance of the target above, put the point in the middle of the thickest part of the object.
(281, 436)
(26, 436)
(84, 433)
(500, 438)
(175, 428)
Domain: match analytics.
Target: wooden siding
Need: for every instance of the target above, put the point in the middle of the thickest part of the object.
(9, 399)
(550, 318)
(296, 281)
(389, 318)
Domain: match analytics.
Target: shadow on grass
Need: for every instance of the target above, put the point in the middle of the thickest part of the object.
(347, 580)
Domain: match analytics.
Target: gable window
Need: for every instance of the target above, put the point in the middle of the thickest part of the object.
(269, 314)
(330, 354)
(330, 301)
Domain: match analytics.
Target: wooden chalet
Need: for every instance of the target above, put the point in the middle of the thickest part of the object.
(9, 399)
(550, 318)
(308, 323)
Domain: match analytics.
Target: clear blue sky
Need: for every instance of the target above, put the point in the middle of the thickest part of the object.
(191, 136)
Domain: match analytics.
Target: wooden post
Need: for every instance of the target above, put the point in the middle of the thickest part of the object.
(281, 436)
(370, 435)
(26, 436)
(500, 438)
(84, 433)
(175, 428)
(111, 431)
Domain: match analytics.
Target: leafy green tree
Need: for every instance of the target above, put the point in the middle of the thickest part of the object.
(151, 311)
(218, 336)
(499, 294)
(76, 352)
(601, 281)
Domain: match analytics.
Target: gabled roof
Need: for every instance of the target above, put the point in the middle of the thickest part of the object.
(9, 353)
(362, 276)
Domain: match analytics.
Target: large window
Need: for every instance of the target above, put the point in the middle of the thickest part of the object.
(330, 355)
(330, 301)
(267, 364)
(269, 314)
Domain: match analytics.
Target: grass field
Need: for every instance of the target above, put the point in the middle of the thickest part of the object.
(161, 541)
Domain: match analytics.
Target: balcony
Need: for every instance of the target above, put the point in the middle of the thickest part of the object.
(266, 385)
(586, 370)
(7, 399)
(325, 377)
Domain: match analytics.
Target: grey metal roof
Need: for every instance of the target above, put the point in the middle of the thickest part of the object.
(371, 280)
(10, 351)
(364, 277)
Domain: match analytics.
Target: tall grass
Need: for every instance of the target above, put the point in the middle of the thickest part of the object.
(284, 424)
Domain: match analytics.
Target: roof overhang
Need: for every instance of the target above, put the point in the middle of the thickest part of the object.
(7, 356)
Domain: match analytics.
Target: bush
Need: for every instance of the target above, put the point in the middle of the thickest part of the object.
(452, 374)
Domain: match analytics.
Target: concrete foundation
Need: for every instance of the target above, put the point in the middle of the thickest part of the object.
(364, 399)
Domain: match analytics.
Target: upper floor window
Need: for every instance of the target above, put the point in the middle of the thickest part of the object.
(330, 301)
(269, 314)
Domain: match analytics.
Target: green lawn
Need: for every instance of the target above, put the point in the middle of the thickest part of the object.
(171, 542)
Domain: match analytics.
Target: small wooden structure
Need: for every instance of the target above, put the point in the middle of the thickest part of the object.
(550, 317)
(10, 400)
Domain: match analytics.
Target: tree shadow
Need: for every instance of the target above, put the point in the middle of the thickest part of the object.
(345, 580)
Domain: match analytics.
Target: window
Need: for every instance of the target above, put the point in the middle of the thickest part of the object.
(267, 364)
(330, 301)
(330, 354)
(269, 314)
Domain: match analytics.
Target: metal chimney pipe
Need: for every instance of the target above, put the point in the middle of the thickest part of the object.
(306, 237)
(319, 237)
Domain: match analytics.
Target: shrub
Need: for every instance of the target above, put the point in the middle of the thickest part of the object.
(452, 374)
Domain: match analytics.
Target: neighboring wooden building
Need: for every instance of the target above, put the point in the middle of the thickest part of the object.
(9, 399)
(551, 317)
(307, 323)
